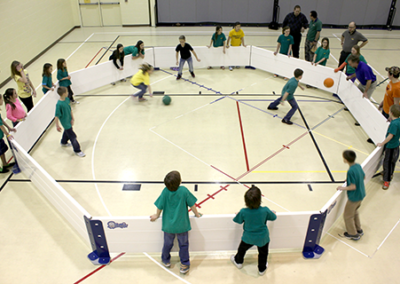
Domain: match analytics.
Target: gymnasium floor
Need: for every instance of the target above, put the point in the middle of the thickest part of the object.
(210, 140)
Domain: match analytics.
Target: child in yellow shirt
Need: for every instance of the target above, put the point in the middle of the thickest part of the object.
(141, 80)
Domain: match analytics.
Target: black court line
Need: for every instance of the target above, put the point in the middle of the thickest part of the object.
(316, 146)
(187, 182)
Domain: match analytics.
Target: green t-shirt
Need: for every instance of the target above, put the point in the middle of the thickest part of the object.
(285, 42)
(175, 216)
(350, 70)
(219, 41)
(255, 230)
(394, 129)
(62, 74)
(47, 81)
(1, 131)
(132, 50)
(63, 112)
(290, 88)
(355, 175)
(322, 53)
(314, 27)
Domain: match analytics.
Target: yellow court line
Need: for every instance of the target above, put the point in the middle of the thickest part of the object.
(348, 146)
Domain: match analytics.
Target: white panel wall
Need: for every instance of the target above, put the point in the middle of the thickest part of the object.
(209, 233)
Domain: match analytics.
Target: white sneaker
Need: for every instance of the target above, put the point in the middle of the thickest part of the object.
(65, 145)
(75, 102)
(262, 273)
(234, 262)
(230, 68)
(80, 154)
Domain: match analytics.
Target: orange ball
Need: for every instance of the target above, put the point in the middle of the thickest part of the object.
(328, 82)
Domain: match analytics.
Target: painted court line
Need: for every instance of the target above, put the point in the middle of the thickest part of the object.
(294, 172)
(166, 269)
(366, 255)
(348, 146)
(328, 118)
(243, 140)
(385, 238)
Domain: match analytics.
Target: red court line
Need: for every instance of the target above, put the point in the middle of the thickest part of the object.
(241, 130)
(99, 268)
(94, 57)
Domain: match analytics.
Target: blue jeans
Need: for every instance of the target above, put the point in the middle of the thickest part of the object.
(69, 134)
(292, 103)
(142, 87)
(183, 240)
(182, 62)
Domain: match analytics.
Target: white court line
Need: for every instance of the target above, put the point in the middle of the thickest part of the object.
(79, 47)
(166, 269)
(276, 204)
(95, 142)
(348, 245)
(386, 238)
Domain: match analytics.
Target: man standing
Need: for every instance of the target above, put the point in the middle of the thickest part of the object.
(297, 23)
(364, 75)
(349, 38)
(314, 30)
(392, 95)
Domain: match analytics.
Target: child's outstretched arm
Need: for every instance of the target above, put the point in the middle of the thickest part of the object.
(155, 216)
(277, 48)
(196, 213)
(195, 55)
(8, 135)
(209, 46)
(349, 187)
(388, 138)
(8, 127)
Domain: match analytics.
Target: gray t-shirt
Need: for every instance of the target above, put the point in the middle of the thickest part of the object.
(352, 39)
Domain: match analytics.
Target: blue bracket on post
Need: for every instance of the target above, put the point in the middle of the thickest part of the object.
(15, 169)
(311, 247)
(97, 237)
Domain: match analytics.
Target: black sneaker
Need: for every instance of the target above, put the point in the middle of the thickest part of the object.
(4, 170)
(356, 124)
(178, 77)
(351, 237)
(192, 73)
(287, 121)
(273, 108)
(370, 141)
(360, 232)
(9, 165)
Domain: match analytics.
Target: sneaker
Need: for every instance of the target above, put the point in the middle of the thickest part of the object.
(356, 124)
(113, 83)
(237, 67)
(142, 99)
(80, 154)
(287, 121)
(286, 79)
(360, 232)
(192, 73)
(4, 170)
(230, 68)
(167, 265)
(238, 265)
(184, 268)
(75, 102)
(262, 273)
(9, 165)
(123, 80)
(66, 145)
(209, 67)
(370, 141)
(385, 185)
(352, 237)
(276, 75)
(346, 109)
(273, 108)
(223, 67)
(178, 77)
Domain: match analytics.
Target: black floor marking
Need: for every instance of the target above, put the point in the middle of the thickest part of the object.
(309, 187)
(186, 182)
(195, 187)
(131, 186)
(316, 146)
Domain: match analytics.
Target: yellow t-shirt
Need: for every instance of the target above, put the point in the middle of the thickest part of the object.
(139, 77)
(236, 37)
(24, 89)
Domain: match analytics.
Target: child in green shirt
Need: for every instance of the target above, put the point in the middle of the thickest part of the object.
(321, 55)
(355, 193)
(174, 201)
(255, 230)
(391, 144)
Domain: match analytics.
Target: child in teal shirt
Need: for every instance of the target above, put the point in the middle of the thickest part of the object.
(174, 201)
(391, 144)
(355, 193)
(47, 82)
(285, 42)
(255, 230)
(322, 53)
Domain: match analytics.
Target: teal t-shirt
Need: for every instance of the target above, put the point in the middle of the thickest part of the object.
(394, 129)
(355, 175)
(47, 81)
(285, 42)
(1, 131)
(255, 230)
(290, 88)
(132, 50)
(175, 216)
(322, 53)
(313, 28)
(350, 70)
(63, 112)
(62, 74)
(219, 41)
